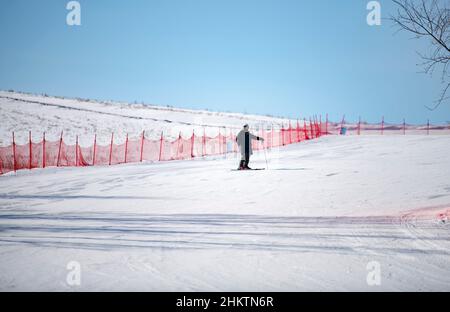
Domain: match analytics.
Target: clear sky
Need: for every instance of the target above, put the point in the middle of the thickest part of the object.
(282, 57)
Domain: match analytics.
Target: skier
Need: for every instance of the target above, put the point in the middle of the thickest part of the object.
(243, 140)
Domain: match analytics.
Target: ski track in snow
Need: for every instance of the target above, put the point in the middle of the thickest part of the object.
(313, 221)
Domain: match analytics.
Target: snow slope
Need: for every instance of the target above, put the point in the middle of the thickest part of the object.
(25, 112)
(323, 212)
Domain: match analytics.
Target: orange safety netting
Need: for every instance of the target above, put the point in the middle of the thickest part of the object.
(381, 128)
(59, 154)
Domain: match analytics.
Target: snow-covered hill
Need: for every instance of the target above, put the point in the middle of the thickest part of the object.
(24, 112)
(318, 219)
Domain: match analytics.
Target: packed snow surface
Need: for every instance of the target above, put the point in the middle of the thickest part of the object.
(323, 216)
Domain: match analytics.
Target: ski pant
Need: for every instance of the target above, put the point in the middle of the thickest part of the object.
(245, 159)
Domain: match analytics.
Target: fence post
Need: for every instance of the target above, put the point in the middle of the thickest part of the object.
(95, 148)
(142, 144)
(31, 150)
(304, 129)
(14, 152)
(76, 151)
(281, 136)
(204, 143)
(326, 125)
(224, 143)
(342, 124)
(404, 126)
(271, 134)
(320, 125)
(263, 136)
(298, 132)
(316, 122)
(315, 126)
(311, 128)
(428, 126)
(290, 133)
(59, 150)
(43, 151)
(161, 145)
(110, 147)
(259, 131)
(192, 143)
(220, 143)
(359, 125)
(126, 148)
(382, 125)
(178, 145)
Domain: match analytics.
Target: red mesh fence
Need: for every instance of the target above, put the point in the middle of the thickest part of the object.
(382, 128)
(59, 154)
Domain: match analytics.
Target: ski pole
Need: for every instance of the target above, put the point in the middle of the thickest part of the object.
(265, 156)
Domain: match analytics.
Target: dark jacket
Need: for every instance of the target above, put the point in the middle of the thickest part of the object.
(243, 140)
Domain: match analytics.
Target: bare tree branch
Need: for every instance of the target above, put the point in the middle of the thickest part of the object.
(441, 99)
(429, 19)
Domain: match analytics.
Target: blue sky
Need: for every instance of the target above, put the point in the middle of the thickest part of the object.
(281, 57)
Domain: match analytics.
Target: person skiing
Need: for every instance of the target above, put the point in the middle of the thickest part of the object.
(244, 142)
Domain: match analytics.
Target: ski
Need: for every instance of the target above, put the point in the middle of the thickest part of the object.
(253, 169)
